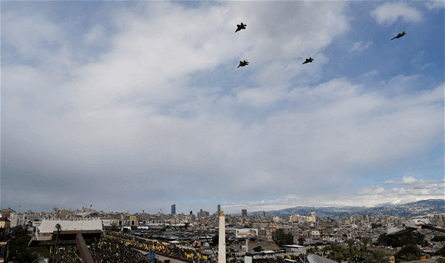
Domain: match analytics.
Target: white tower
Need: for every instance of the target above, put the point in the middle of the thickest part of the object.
(222, 239)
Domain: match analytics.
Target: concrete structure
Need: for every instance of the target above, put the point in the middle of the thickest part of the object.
(69, 232)
(173, 212)
(319, 259)
(295, 249)
(218, 210)
(4, 251)
(47, 228)
(5, 225)
(222, 239)
(243, 212)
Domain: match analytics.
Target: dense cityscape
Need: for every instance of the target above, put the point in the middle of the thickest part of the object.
(275, 238)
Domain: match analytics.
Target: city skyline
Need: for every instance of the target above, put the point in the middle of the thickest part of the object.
(134, 106)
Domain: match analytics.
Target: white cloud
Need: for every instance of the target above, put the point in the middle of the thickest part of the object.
(390, 182)
(388, 13)
(358, 46)
(133, 115)
(433, 4)
(409, 180)
(96, 36)
(30, 34)
(363, 196)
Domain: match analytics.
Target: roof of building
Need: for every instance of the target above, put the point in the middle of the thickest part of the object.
(49, 226)
(318, 259)
(294, 246)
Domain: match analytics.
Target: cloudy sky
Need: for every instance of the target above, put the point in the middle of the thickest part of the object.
(133, 106)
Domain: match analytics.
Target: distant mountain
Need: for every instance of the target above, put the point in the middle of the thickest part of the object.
(418, 208)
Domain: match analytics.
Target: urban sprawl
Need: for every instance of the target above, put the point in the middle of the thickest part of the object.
(88, 235)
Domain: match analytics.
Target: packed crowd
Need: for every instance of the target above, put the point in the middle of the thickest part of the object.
(170, 251)
(123, 248)
(67, 254)
(114, 250)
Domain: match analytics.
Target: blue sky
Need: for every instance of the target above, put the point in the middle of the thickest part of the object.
(138, 105)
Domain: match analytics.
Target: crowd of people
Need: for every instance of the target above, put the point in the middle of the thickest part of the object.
(171, 251)
(67, 254)
(113, 250)
(122, 248)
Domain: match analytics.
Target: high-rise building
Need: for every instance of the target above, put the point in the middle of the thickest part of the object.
(244, 212)
(218, 209)
(173, 209)
(191, 212)
(264, 213)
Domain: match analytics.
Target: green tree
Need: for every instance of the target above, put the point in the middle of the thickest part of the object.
(441, 252)
(350, 244)
(412, 238)
(215, 239)
(326, 248)
(281, 239)
(27, 256)
(19, 243)
(378, 256)
(339, 256)
(365, 243)
(438, 238)
(335, 247)
(301, 241)
(440, 260)
(114, 227)
(409, 257)
(410, 251)
(258, 249)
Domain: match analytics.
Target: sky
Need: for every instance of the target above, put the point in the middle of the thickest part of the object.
(135, 106)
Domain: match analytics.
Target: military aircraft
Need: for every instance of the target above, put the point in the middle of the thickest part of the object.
(308, 60)
(399, 35)
(242, 26)
(243, 63)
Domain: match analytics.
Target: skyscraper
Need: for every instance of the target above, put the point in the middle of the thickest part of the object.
(218, 209)
(244, 212)
(173, 209)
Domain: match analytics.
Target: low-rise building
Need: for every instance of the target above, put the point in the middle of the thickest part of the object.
(5, 225)
(48, 227)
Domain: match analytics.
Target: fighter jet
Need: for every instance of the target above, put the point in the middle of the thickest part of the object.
(399, 35)
(308, 60)
(243, 63)
(242, 26)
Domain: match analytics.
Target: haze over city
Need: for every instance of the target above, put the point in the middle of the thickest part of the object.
(134, 106)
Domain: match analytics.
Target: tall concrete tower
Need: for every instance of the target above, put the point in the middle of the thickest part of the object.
(222, 239)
